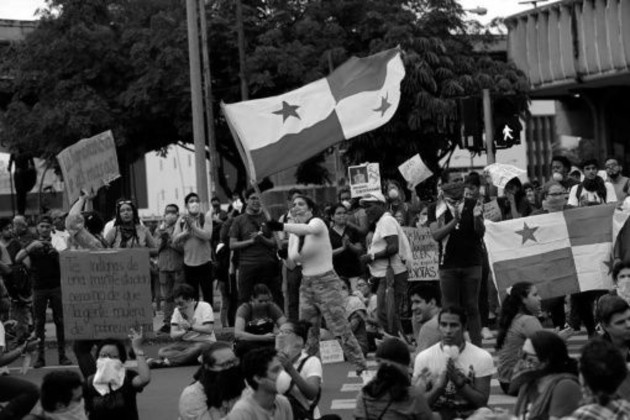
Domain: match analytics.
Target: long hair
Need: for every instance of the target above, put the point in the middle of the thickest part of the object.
(511, 306)
(603, 368)
(551, 349)
(390, 378)
(119, 204)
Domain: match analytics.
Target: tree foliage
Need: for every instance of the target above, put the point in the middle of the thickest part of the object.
(93, 65)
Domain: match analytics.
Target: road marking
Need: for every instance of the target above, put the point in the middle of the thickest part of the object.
(351, 387)
(344, 404)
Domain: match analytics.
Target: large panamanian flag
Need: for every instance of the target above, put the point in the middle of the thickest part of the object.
(561, 253)
(279, 132)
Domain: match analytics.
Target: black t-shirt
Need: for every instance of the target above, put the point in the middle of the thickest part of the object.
(259, 319)
(45, 271)
(464, 247)
(117, 405)
(347, 263)
(242, 227)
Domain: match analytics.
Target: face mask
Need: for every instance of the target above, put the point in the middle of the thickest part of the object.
(346, 204)
(110, 373)
(193, 208)
(170, 218)
(74, 411)
(422, 220)
(623, 290)
(557, 177)
(237, 205)
(393, 194)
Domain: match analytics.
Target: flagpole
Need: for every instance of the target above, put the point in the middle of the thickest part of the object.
(192, 16)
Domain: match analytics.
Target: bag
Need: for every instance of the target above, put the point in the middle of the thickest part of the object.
(299, 411)
(390, 299)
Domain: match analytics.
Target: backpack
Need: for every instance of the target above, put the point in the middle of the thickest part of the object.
(578, 193)
(299, 411)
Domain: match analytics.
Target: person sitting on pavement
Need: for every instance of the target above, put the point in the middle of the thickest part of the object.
(18, 395)
(256, 321)
(613, 314)
(390, 395)
(425, 308)
(261, 368)
(111, 392)
(602, 369)
(372, 325)
(546, 378)
(357, 315)
(192, 328)
(43, 262)
(218, 384)
(61, 398)
(454, 373)
(301, 380)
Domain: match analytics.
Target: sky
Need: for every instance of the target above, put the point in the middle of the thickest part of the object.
(25, 9)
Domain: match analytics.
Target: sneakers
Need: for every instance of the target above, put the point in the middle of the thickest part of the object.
(64, 361)
(157, 363)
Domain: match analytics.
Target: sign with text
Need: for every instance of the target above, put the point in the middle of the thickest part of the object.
(415, 171)
(425, 263)
(492, 211)
(331, 351)
(89, 164)
(364, 179)
(501, 173)
(105, 293)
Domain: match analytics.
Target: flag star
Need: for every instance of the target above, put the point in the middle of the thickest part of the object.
(527, 233)
(287, 111)
(610, 263)
(384, 105)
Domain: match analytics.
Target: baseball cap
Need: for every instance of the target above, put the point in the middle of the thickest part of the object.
(375, 197)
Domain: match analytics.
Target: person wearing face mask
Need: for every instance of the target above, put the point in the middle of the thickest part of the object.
(546, 379)
(301, 379)
(457, 225)
(602, 370)
(560, 168)
(621, 278)
(357, 219)
(422, 219)
(193, 231)
(619, 182)
(218, 385)
(390, 395)
(320, 293)
(170, 262)
(397, 206)
(518, 321)
(514, 203)
(111, 392)
(61, 398)
(257, 261)
(261, 368)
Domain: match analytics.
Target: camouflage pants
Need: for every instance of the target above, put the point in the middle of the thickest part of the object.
(321, 296)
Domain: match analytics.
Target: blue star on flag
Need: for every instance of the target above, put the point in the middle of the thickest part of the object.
(384, 105)
(527, 233)
(287, 111)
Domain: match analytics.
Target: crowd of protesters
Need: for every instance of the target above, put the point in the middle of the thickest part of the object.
(337, 270)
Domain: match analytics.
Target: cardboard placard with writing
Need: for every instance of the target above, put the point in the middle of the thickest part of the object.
(331, 351)
(89, 164)
(105, 293)
(501, 173)
(492, 211)
(364, 179)
(415, 171)
(425, 263)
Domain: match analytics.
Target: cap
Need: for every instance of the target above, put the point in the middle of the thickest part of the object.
(375, 197)
(394, 350)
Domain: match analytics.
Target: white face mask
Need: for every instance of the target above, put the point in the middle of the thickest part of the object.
(74, 411)
(237, 205)
(193, 208)
(346, 204)
(557, 177)
(623, 289)
(110, 373)
(422, 220)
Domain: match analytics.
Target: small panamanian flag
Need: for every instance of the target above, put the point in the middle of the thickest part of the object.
(279, 132)
(561, 252)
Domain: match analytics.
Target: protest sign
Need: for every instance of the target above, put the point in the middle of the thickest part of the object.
(492, 211)
(364, 179)
(425, 262)
(501, 173)
(414, 170)
(331, 351)
(105, 293)
(88, 165)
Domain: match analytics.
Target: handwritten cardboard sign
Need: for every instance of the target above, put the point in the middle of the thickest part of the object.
(105, 293)
(501, 173)
(89, 164)
(492, 211)
(425, 263)
(414, 170)
(364, 179)
(331, 351)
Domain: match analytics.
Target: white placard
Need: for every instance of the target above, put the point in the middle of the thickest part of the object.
(364, 179)
(414, 170)
(501, 174)
(330, 351)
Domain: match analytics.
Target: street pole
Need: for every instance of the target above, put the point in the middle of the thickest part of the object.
(241, 50)
(207, 76)
(489, 129)
(192, 15)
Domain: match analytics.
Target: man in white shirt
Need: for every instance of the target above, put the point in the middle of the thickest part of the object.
(593, 189)
(454, 373)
